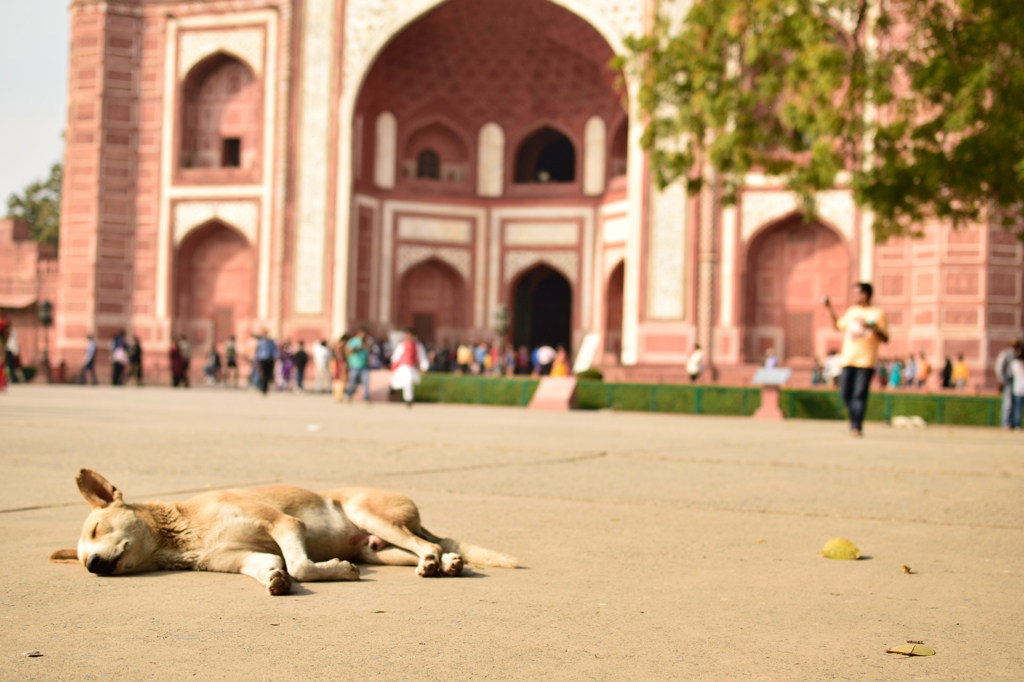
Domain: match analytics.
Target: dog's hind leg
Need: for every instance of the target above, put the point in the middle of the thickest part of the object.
(290, 535)
(394, 519)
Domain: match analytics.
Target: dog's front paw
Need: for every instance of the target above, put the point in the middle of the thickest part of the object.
(451, 564)
(280, 583)
(427, 567)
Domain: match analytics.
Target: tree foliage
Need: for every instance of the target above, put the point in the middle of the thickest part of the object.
(39, 205)
(916, 104)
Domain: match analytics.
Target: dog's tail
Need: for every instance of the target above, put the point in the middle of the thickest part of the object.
(472, 554)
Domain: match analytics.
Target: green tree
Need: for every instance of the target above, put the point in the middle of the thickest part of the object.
(919, 102)
(39, 205)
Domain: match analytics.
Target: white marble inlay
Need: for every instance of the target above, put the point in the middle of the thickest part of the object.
(667, 253)
(837, 207)
(490, 171)
(424, 229)
(314, 137)
(566, 262)
(385, 151)
(409, 255)
(594, 163)
(541, 234)
(242, 215)
(616, 230)
(760, 208)
(244, 43)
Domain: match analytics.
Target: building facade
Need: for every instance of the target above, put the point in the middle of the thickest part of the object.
(467, 168)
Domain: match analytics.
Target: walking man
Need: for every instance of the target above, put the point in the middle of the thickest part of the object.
(864, 326)
(185, 348)
(1004, 374)
(695, 363)
(321, 363)
(90, 362)
(266, 355)
(408, 360)
(357, 350)
(300, 358)
(135, 360)
(231, 362)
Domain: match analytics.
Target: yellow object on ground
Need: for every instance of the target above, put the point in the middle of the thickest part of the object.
(840, 548)
(911, 650)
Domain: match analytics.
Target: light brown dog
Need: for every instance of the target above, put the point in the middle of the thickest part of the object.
(274, 534)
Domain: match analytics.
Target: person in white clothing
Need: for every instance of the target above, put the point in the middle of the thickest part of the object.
(408, 360)
(695, 363)
(322, 364)
(1017, 370)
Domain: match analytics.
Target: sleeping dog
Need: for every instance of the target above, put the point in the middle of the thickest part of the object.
(275, 535)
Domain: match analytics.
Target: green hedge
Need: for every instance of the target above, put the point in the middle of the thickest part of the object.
(934, 408)
(471, 390)
(672, 398)
(723, 400)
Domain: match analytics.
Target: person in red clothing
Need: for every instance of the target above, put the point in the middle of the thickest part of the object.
(5, 332)
(408, 360)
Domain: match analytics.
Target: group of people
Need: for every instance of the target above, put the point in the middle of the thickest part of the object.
(125, 360)
(914, 372)
(487, 359)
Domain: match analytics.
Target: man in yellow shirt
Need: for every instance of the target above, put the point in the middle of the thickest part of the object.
(864, 326)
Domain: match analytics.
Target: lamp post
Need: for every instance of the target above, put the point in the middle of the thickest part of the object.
(45, 313)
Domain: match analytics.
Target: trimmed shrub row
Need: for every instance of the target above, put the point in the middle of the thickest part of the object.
(720, 400)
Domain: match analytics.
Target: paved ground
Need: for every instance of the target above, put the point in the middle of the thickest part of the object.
(656, 547)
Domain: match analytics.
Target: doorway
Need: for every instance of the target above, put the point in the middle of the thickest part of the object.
(543, 309)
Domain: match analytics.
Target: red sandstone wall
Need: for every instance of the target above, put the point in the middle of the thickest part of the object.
(98, 211)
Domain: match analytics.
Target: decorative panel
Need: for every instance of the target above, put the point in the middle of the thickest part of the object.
(425, 229)
(542, 234)
(241, 215)
(244, 43)
(567, 262)
(666, 255)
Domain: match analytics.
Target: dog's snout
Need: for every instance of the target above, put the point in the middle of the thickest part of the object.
(100, 566)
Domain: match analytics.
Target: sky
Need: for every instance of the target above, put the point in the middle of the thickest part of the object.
(33, 90)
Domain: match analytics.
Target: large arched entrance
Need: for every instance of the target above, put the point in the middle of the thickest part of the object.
(215, 285)
(543, 309)
(432, 301)
(790, 268)
(478, 103)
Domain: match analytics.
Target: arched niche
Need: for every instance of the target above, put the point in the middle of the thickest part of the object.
(215, 284)
(790, 266)
(542, 308)
(221, 117)
(613, 300)
(545, 156)
(436, 152)
(619, 149)
(490, 172)
(385, 149)
(432, 300)
(595, 149)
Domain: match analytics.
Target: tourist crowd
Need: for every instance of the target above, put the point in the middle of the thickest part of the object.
(912, 371)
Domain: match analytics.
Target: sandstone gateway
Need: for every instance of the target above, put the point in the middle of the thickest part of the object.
(311, 165)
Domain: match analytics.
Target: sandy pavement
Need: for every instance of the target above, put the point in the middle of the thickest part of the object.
(655, 546)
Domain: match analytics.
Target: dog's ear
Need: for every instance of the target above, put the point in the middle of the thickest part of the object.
(97, 491)
(64, 556)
